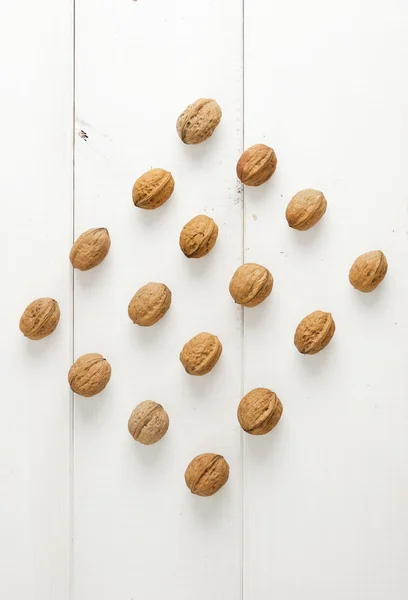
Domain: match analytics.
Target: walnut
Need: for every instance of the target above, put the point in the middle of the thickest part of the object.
(149, 304)
(153, 189)
(368, 271)
(201, 354)
(40, 318)
(90, 249)
(148, 423)
(89, 375)
(257, 165)
(251, 284)
(198, 121)
(198, 236)
(206, 474)
(314, 332)
(259, 411)
(305, 209)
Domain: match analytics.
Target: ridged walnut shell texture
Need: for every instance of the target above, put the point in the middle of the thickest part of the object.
(257, 165)
(89, 375)
(314, 332)
(40, 318)
(201, 354)
(305, 209)
(152, 189)
(259, 411)
(90, 249)
(206, 474)
(149, 304)
(368, 271)
(198, 236)
(148, 422)
(251, 284)
(198, 121)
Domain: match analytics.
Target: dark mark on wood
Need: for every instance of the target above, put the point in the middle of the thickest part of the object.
(82, 134)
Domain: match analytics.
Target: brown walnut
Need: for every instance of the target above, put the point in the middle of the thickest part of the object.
(368, 271)
(256, 165)
(90, 249)
(89, 375)
(198, 236)
(198, 121)
(305, 209)
(153, 189)
(259, 411)
(314, 332)
(206, 474)
(148, 422)
(40, 318)
(251, 284)
(149, 304)
(201, 354)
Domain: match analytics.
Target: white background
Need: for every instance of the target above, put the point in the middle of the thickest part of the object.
(318, 508)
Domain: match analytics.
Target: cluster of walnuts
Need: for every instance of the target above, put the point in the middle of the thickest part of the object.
(260, 410)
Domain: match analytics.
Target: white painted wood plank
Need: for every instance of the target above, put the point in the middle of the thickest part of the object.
(325, 494)
(36, 46)
(138, 530)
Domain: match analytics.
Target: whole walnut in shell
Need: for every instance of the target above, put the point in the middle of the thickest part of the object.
(198, 121)
(148, 422)
(314, 332)
(152, 189)
(251, 284)
(198, 236)
(206, 474)
(305, 209)
(90, 249)
(368, 271)
(89, 375)
(257, 165)
(201, 354)
(149, 304)
(259, 411)
(40, 318)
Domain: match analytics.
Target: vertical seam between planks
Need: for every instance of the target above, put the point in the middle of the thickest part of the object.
(243, 225)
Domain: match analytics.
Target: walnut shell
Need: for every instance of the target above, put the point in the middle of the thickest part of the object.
(251, 284)
(152, 189)
(198, 236)
(90, 249)
(198, 121)
(259, 411)
(148, 422)
(314, 332)
(257, 165)
(368, 271)
(305, 209)
(40, 318)
(149, 304)
(201, 354)
(206, 474)
(89, 375)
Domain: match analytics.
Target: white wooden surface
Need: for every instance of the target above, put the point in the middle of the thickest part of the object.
(316, 509)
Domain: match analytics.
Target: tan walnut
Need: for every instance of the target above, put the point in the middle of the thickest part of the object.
(153, 189)
(259, 411)
(314, 332)
(368, 271)
(198, 121)
(201, 354)
(90, 249)
(148, 422)
(149, 304)
(206, 474)
(305, 209)
(256, 165)
(251, 284)
(40, 318)
(198, 236)
(89, 375)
